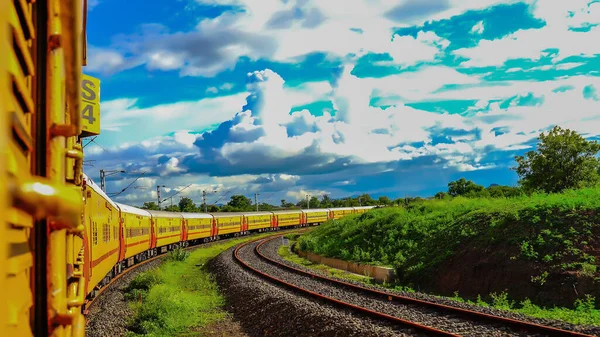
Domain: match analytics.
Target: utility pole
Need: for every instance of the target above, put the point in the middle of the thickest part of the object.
(158, 193)
(308, 201)
(256, 200)
(103, 175)
(204, 201)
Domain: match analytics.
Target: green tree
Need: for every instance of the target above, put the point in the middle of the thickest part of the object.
(563, 160)
(383, 200)
(326, 201)
(173, 208)
(440, 195)
(464, 187)
(314, 202)
(151, 206)
(187, 205)
(212, 208)
(240, 203)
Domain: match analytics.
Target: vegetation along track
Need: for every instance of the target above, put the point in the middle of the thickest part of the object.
(423, 317)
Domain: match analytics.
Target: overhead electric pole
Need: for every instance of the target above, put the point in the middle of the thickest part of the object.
(204, 201)
(308, 201)
(103, 175)
(256, 200)
(158, 193)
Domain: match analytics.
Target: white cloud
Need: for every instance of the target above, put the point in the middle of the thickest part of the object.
(532, 43)
(478, 28)
(124, 114)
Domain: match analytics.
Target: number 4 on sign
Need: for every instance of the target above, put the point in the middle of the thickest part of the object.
(88, 114)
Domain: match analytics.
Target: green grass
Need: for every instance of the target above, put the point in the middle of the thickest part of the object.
(555, 231)
(556, 236)
(584, 312)
(178, 296)
(285, 253)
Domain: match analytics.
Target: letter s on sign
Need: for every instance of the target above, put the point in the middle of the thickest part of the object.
(87, 90)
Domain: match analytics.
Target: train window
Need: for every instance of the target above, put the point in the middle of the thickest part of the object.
(105, 233)
(95, 234)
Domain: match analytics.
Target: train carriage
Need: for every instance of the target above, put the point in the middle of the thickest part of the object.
(288, 218)
(168, 229)
(362, 209)
(136, 224)
(259, 221)
(102, 235)
(315, 216)
(229, 223)
(338, 213)
(200, 226)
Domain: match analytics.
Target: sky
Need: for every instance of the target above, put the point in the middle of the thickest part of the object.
(286, 98)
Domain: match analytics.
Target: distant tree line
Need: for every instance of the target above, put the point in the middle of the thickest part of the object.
(563, 160)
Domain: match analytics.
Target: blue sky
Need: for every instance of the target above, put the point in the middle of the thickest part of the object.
(292, 97)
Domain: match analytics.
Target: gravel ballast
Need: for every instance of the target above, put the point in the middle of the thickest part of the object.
(267, 310)
(109, 314)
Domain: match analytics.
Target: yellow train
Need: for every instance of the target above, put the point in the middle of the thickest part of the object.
(63, 239)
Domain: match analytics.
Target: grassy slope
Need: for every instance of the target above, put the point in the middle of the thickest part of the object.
(556, 234)
(179, 296)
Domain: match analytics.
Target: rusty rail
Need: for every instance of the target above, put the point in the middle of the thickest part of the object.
(422, 328)
(532, 327)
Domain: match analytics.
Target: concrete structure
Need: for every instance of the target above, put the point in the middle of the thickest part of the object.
(379, 274)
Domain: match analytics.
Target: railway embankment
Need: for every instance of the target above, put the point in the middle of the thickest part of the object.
(524, 254)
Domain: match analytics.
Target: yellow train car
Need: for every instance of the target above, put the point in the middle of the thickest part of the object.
(261, 221)
(315, 216)
(338, 213)
(229, 223)
(288, 218)
(362, 209)
(200, 226)
(168, 228)
(102, 238)
(136, 224)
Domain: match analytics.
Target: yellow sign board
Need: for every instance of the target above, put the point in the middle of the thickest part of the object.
(90, 105)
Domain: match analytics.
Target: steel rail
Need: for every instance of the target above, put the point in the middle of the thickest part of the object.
(532, 327)
(422, 328)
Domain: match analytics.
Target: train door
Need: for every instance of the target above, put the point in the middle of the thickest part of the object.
(184, 232)
(214, 230)
(152, 233)
(122, 245)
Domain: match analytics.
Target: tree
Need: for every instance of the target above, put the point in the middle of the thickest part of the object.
(383, 200)
(151, 206)
(326, 201)
(172, 208)
(240, 202)
(463, 187)
(440, 195)
(212, 208)
(187, 205)
(563, 160)
(314, 202)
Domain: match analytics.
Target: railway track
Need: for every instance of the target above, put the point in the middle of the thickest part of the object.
(422, 317)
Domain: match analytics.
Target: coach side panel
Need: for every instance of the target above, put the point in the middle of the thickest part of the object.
(102, 226)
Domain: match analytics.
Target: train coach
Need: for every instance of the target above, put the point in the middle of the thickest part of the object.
(118, 236)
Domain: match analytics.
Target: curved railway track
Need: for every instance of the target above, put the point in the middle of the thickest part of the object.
(422, 316)
(88, 304)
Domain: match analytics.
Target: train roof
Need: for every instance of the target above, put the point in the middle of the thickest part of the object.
(165, 214)
(314, 210)
(197, 215)
(132, 210)
(226, 214)
(343, 209)
(90, 183)
(258, 213)
(364, 207)
(288, 211)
